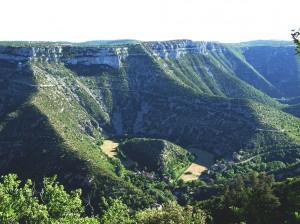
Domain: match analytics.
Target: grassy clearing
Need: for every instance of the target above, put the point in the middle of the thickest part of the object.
(193, 172)
(203, 160)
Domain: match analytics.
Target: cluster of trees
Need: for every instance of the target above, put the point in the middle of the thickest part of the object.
(166, 214)
(258, 199)
(162, 157)
(22, 203)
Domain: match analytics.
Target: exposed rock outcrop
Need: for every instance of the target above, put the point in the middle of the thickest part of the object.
(178, 48)
(89, 56)
(69, 55)
(111, 56)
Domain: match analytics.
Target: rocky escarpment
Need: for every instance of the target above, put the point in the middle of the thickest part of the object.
(177, 48)
(69, 55)
(259, 66)
(111, 56)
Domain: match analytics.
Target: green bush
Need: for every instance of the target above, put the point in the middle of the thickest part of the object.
(21, 203)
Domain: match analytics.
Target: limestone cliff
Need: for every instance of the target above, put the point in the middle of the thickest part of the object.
(177, 48)
(68, 55)
(203, 59)
(112, 56)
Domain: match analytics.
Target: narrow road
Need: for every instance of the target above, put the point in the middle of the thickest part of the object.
(261, 154)
(269, 130)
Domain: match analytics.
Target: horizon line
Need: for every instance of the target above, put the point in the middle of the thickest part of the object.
(136, 40)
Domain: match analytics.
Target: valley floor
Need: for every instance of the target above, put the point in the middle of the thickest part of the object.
(193, 172)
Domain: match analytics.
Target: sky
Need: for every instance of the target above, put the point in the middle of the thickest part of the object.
(211, 20)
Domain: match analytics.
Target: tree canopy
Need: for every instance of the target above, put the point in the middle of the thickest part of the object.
(21, 203)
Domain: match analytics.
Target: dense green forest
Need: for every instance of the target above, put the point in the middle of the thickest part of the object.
(252, 199)
(23, 202)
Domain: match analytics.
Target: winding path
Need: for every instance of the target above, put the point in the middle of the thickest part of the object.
(261, 154)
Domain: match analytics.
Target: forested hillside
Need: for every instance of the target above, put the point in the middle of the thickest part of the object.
(227, 109)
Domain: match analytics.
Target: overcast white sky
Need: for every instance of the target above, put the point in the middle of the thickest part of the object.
(81, 20)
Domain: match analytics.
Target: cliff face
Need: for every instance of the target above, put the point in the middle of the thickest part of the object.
(68, 55)
(95, 56)
(111, 56)
(270, 67)
(272, 70)
(177, 48)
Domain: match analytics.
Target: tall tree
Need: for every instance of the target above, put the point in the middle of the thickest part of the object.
(296, 38)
